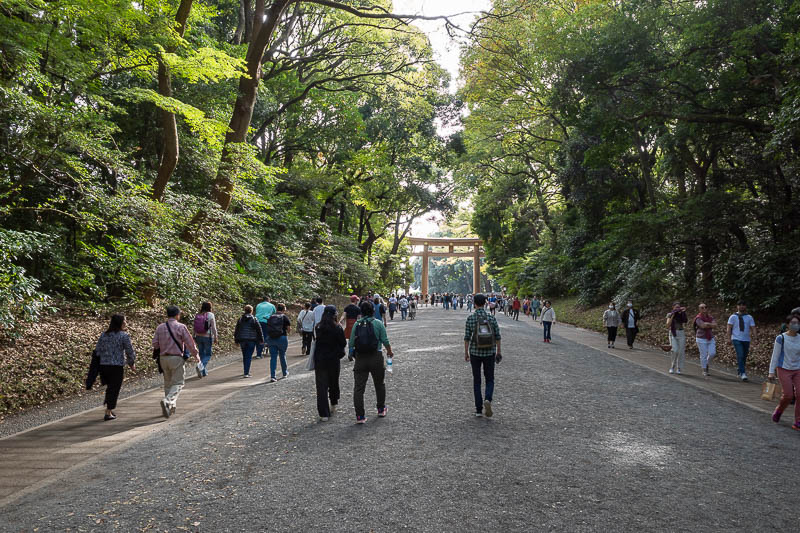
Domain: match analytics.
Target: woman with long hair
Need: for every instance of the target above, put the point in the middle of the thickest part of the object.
(329, 349)
(114, 350)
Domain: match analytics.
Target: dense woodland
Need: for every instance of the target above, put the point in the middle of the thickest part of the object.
(178, 150)
(638, 148)
(182, 150)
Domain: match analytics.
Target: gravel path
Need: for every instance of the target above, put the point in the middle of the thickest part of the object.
(623, 449)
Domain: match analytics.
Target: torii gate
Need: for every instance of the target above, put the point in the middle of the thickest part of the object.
(475, 251)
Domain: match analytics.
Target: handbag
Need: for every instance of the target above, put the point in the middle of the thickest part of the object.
(310, 359)
(666, 347)
(771, 389)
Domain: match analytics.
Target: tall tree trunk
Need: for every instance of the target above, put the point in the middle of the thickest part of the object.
(169, 126)
(342, 216)
(361, 221)
(245, 102)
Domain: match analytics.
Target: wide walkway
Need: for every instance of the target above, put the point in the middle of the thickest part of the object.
(580, 441)
(40, 455)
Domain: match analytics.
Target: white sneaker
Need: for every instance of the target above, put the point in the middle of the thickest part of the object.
(165, 408)
(678, 372)
(744, 376)
(671, 371)
(478, 415)
(323, 419)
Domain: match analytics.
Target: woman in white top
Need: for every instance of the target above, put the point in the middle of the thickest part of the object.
(611, 321)
(305, 324)
(786, 361)
(548, 317)
(205, 334)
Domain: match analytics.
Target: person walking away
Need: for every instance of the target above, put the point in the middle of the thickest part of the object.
(704, 325)
(248, 335)
(611, 321)
(630, 319)
(318, 310)
(205, 334)
(515, 307)
(412, 309)
(351, 313)
(305, 326)
(392, 306)
(114, 350)
(536, 305)
(278, 340)
(786, 362)
(461, 301)
(676, 322)
(328, 351)
(379, 310)
(366, 339)
(741, 327)
(264, 310)
(482, 350)
(172, 340)
(403, 304)
(548, 317)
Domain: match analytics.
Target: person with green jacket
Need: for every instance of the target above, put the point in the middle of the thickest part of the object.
(366, 338)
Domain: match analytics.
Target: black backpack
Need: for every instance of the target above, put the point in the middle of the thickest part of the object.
(366, 341)
(275, 326)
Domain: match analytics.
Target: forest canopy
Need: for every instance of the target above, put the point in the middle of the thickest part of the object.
(637, 148)
(177, 149)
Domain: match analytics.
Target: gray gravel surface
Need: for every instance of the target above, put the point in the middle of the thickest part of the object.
(580, 441)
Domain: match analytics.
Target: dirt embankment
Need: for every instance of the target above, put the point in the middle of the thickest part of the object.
(49, 361)
(653, 329)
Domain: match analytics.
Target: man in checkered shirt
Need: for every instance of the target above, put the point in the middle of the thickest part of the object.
(482, 357)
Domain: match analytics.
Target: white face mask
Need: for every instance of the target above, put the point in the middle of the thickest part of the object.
(630, 305)
(794, 327)
(611, 307)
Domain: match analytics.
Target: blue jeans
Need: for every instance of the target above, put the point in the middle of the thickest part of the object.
(277, 347)
(742, 350)
(488, 373)
(403, 313)
(260, 347)
(247, 354)
(204, 347)
(546, 328)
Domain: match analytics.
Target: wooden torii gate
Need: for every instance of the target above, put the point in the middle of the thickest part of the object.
(474, 249)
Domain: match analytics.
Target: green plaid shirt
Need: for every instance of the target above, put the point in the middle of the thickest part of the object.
(469, 331)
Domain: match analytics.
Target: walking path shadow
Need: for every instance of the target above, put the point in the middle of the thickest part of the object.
(39, 456)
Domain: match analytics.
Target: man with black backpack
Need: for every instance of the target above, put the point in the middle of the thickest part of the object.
(365, 344)
(482, 349)
(277, 340)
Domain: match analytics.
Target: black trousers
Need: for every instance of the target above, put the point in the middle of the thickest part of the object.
(112, 375)
(308, 336)
(612, 333)
(631, 334)
(326, 374)
(366, 365)
(516, 314)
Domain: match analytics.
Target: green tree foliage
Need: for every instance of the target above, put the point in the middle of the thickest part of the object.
(637, 148)
(339, 159)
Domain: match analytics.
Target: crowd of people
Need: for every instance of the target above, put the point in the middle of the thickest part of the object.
(359, 332)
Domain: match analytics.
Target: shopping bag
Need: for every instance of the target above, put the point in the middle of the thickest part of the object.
(771, 390)
(310, 360)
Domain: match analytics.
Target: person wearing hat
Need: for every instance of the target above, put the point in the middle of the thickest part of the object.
(741, 326)
(351, 314)
(172, 340)
(329, 349)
